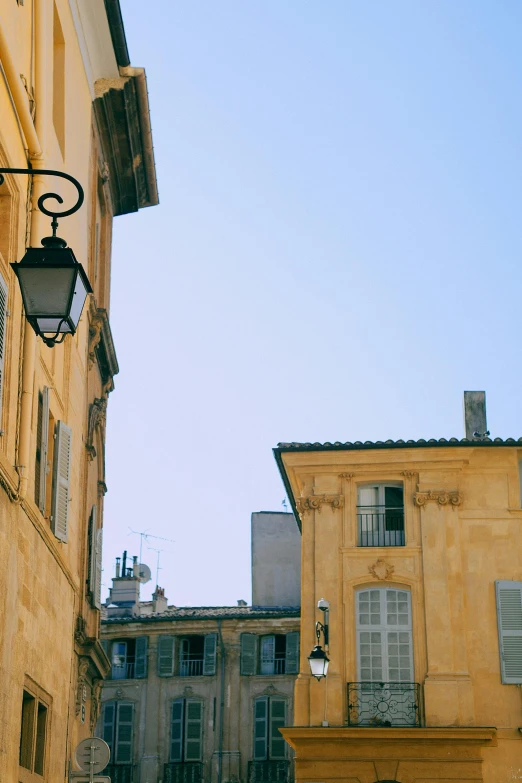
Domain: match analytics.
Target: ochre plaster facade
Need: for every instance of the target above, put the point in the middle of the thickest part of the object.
(462, 521)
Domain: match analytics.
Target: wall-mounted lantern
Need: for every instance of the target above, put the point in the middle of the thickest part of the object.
(318, 658)
(53, 283)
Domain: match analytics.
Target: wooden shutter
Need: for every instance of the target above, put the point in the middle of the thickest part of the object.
(91, 571)
(61, 481)
(261, 728)
(166, 656)
(98, 574)
(109, 711)
(123, 739)
(42, 449)
(267, 654)
(292, 653)
(140, 667)
(509, 618)
(193, 730)
(209, 657)
(277, 711)
(176, 730)
(3, 329)
(248, 653)
(105, 643)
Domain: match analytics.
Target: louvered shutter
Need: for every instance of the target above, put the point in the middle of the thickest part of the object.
(261, 728)
(98, 573)
(209, 657)
(292, 653)
(123, 740)
(42, 449)
(509, 617)
(277, 710)
(91, 573)
(193, 730)
(105, 643)
(267, 654)
(109, 710)
(166, 656)
(140, 667)
(176, 730)
(61, 481)
(3, 329)
(248, 653)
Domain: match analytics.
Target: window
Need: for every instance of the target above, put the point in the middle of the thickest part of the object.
(269, 717)
(3, 328)
(33, 732)
(509, 618)
(273, 654)
(128, 658)
(198, 655)
(117, 730)
(54, 445)
(380, 515)
(186, 731)
(384, 635)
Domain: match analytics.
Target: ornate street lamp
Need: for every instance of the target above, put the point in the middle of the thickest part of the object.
(53, 283)
(318, 658)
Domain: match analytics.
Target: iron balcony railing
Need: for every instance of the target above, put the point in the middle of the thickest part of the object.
(119, 773)
(122, 671)
(190, 667)
(380, 526)
(188, 772)
(384, 704)
(268, 772)
(273, 666)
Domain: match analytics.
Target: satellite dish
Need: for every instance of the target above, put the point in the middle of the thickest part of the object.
(144, 573)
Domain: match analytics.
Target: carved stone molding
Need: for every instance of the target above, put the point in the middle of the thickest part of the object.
(81, 688)
(381, 569)
(95, 703)
(97, 418)
(443, 497)
(188, 692)
(409, 473)
(80, 635)
(119, 693)
(101, 346)
(314, 502)
(346, 475)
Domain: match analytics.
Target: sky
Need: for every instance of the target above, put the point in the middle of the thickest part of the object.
(335, 256)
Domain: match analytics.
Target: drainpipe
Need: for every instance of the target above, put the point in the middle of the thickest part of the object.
(221, 704)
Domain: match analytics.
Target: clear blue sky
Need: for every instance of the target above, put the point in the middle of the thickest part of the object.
(336, 255)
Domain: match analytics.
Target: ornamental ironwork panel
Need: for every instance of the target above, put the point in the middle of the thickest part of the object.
(184, 772)
(119, 773)
(384, 704)
(380, 526)
(268, 772)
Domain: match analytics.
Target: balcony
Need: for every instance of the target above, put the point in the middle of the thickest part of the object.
(268, 772)
(384, 704)
(380, 525)
(183, 773)
(119, 773)
(191, 667)
(122, 671)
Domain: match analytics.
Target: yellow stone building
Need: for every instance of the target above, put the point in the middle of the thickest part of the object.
(69, 101)
(417, 546)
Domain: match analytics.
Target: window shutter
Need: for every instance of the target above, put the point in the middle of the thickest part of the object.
(105, 643)
(292, 653)
(108, 723)
(42, 449)
(140, 667)
(166, 656)
(209, 657)
(261, 728)
(123, 753)
(248, 653)
(98, 573)
(91, 571)
(193, 730)
(509, 617)
(61, 481)
(277, 720)
(267, 654)
(3, 325)
(176, 730)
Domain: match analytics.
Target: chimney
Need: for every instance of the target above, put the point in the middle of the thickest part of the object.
(125, 590)
(159, 602)
(242, 603)
(475, 415)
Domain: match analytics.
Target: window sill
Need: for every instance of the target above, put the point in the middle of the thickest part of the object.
(26, 776)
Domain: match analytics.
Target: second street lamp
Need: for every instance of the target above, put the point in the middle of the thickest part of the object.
(318, 658)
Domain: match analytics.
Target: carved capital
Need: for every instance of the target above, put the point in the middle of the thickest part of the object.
(315, 502)
(443, 497)
(346, 475)
(381, 569)
(408, 473)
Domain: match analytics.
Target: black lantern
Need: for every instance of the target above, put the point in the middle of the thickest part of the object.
(53, 283)
(318, 661)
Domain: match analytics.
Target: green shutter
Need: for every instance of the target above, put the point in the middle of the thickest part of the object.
(209, 657)
(61, 481)
(123, 753)
(261, 728)
(193, 730)
(166, 656)
(509, 617)
(91, 571)
(292, 653)
(105, 643)
(3, 329)
(277, 708)
(42, 449)
(176, 730)
(108, 723)
(140, 666)
(248, 653)
(98, 570)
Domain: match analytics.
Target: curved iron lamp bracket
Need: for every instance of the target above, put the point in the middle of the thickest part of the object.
(45, 196)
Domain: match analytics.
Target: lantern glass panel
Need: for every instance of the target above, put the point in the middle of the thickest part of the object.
(52, 325)
(47, 290)
(78, 300)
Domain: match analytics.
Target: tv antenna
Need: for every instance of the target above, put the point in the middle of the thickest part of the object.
(284, 504)
(158, 553)
(144, 534)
